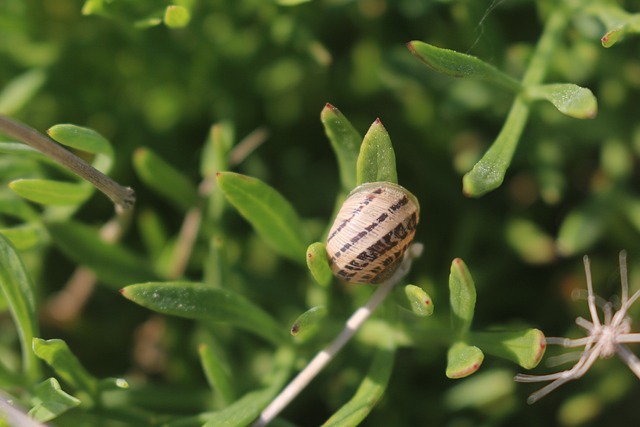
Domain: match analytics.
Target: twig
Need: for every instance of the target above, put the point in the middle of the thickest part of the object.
(123, 197)
(321, 359)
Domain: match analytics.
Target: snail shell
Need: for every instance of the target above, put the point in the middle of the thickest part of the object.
(372, 230)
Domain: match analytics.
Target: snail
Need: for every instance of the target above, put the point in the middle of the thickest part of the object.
(371, 232)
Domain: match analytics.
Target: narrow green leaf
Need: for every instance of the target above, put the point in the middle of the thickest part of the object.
(345, 140)
(19, 91)
(65, 364)
(81, 138)
(488, 173)
(457, 64)
(370, 391)
(199, 301)
(217, 373)
(176, 16)
(377, 160)
(569, 99)
(248, 407)
(463, 360)
(26, 236)
(18, 292)
(164, 179)
(112, 264)
(308, 323)
(270, 214)
(420, 301)
(49, 192)
(525, 347)
(24, 150)
(50, 401)
(462, 297)
(318, 263)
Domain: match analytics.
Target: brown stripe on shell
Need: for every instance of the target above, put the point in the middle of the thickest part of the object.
(371, 232)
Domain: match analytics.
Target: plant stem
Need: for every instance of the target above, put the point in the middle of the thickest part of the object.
(321, 359)
(123, 197)
(488, 173)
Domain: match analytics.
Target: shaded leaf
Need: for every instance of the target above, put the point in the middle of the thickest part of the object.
(17, 290)
(525, 347)
(532, 243)
(463, 360)
(420, 302)
(48, 192)
(377, 160)
(248, 407)
(50, 401)
(346, 141)
(318, 263)
(270, 214)
(215, 154)
(199, 301)
(569, 99)
(457, 64)
(216, 373)
(113, 264)
(65, 364)
(369, 392)
(580, 229)
(462, 297)
(164, 179)
(481, 390)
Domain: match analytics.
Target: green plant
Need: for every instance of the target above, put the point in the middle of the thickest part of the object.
(227, 312)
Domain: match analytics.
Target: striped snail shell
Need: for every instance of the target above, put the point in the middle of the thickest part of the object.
(372, 230)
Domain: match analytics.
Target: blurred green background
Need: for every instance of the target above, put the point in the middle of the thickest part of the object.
(262, 65)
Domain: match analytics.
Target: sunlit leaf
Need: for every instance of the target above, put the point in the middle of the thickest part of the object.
(65, 364)
(458, 64)
(50, 401)
(318, 263)
(462, 297)
(18, 292)
(569, 99)
(20, 90)
(525, 347)
(463, 360)
(48, 192)
(420, 302)
(270, 214)
(377, 160)
(176, 16)
(345, 141)
(199, 301)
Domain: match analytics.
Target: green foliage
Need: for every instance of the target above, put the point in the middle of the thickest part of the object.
(210, 111)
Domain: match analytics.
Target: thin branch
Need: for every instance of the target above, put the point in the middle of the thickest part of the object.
(123, 197)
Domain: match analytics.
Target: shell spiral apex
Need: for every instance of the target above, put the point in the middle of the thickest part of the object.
(371, 232)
